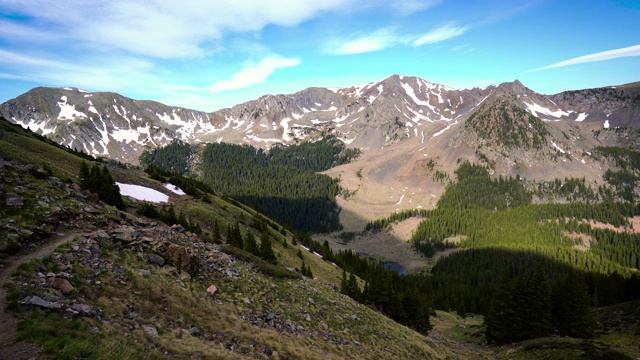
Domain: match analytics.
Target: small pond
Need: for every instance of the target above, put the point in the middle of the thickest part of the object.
(390, 265)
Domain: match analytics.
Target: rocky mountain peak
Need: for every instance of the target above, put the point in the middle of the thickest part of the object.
(367, 116)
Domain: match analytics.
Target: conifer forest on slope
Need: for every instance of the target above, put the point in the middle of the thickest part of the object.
(508, 245)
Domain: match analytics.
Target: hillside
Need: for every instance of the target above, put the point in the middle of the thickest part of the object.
(368, 116)
(129, 287)
(126, 286)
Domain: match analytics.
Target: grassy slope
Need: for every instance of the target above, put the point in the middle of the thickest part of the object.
(161, 301)
(165, 304)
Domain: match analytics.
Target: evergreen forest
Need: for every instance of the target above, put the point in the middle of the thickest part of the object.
(511, 259)
(282, 183)
(531, 269)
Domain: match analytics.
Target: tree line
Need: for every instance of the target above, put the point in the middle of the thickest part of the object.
(99, 181)
(282, 183)
(501, 239)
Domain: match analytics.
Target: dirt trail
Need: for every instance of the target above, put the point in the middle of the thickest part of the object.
(9, 348)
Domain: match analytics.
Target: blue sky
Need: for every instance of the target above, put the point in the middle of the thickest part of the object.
(209, 55)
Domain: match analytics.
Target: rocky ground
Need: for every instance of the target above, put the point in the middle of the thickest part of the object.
(87, 280)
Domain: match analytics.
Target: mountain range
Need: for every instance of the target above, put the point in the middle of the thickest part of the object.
(452, 185)
(366, 116)
(412, 132)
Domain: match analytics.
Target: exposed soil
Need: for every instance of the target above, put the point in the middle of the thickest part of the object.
(9, 348)
(386, 245)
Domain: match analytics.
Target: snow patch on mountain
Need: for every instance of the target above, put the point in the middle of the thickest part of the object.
(142, 193)
(174, 189)
(537, 110)
(443, 130)
(409, 90)
(68, 111)
(582, 116)
(42, 127)
(558, 147)
(285, 129)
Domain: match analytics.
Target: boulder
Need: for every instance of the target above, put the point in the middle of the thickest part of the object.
(154, 259)
(62, 284)
(179, 256)
(150, 331)
(14, 201)
(37, 301)
(212, 289)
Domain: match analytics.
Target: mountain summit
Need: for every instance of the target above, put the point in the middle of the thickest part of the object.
(367, 116)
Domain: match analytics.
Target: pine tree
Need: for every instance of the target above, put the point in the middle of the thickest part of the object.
(343, 282)
(539, 295)
(250, 244)
(170, 216)
(217, 238)
(573, 314)
(85, 176)
(95, 179)
(305, 270)
(237, 236)
(309, 272)
(498, 319)
(353, 290)
(229, 235)
(266, 252)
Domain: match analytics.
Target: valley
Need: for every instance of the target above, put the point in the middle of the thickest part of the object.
(490, 199)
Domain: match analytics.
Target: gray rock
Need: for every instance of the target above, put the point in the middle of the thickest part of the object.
(132, 315)
(84, 309)
(37, 301)
(194, 331)
(62, 284)
(90, 210)
(154, 259)
(105, 242)
(143, 272)
(15, 201)
(150, 330)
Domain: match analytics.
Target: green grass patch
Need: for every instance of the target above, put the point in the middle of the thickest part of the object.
(263, 266)
(64, 338)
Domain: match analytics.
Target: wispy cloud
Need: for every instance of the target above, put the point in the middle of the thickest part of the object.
(378, 40)
(601, 56)
(440, 34)
(159, 28)
(254, 74)
(101, 73)
(386, 38)
(407, 7)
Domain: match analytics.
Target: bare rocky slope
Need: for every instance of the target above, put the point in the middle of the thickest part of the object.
(122, 286)
(369, 116)
(413, 133)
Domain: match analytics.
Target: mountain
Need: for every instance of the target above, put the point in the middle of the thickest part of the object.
(120, 285)
(413, 133)
(368, 116)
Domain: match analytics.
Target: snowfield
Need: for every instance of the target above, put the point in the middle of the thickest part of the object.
(174, 189)
(142, 193)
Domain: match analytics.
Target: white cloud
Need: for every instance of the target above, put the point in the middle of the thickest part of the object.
(601, 56)
(378, 40)
(440, 34)
(105, 73)
(256, 74)
(161, 28)
(386, 38)
(401, 7)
